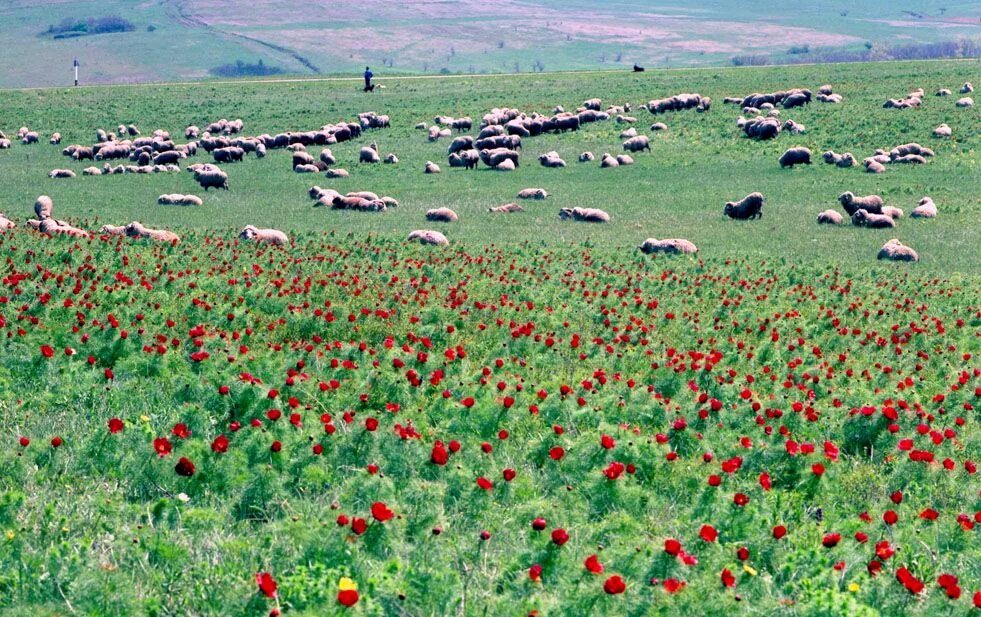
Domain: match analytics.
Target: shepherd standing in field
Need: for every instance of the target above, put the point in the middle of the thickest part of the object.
(367, 79)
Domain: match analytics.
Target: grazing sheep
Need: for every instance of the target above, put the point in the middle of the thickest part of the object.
(551, 159)
(625, 159)
(608, 161)
(659, 126)
(761, 128)
(113, 230)
(493, 158)
(847, 160)
(892, 212)
(465, 158)
(631, 132)
(507, 209)
(6, 223)
(211, 177)
(434, 133)
(431, 168)
(862, 218)
(967, 88)
(852, 203)
(296, 148)
(82, 153)
(749, 207)
(594, 104)
(498, 142)
(586, 215)
(428, 236)
(964, 102)
(460, 143)
(31, 137)
(61, 173)
(491, 131)
(671, 246)
(794, 128)
(55, 139)
(532, 193)
(894, 250)
(391, 159)
(830, 217)
(443, 215)
(137, 230)
(327, 157)
(337, 173)
(585, 157)
(171, 157)
(230, 154)
(926, 209)
(264, 236)
(368, 155)
(943, 92)
(942, 131)
(637, 144)
(795, 156)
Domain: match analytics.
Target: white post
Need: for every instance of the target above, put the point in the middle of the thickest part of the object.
(76, 71)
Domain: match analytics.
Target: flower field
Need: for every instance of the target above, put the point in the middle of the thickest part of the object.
(360, 427)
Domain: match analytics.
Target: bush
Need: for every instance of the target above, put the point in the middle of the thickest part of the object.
(244, 69)
(110, 24)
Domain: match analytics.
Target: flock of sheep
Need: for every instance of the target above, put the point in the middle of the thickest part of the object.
(497, 145)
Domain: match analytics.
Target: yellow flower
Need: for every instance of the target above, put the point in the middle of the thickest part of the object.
(10, 534)
(749, 570)
(347, 584)
(853, 587)
(145, 418)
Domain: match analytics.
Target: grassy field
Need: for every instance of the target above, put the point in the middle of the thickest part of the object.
(190, 37)
(780, 425)
(678, 190)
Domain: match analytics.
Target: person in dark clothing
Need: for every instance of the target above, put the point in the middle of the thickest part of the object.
(367, 79)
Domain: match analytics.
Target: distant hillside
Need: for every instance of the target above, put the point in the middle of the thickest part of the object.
(192, 39)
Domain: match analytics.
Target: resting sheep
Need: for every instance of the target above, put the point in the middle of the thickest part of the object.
(55, 139)
(942, 131)
(428, 236)
(264, 236)
(671, 246)
(895, 250)
(625, 159)
(795, 156)
(113, 230)
(551, 159)
(967, 88)
(852, 203)
(337, 173)
(863, 218)
(586, 157)
(608, 161)
(749, 207)
(586, 215)
(830, 217)
(533, 193)
(51, 227)
(442, 215)
(431, 168)
(873, 166)
(926, 209)
(137, 230)
(61, 173)
(506, 209)
(965, 102)
(6, 223)
(176, 199)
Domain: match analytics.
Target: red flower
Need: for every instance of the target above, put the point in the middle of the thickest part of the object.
(977, 599)
(672, 585)
(162, 446)
(614, 585)
(509, 474)
(607, 442)
(439, 455)
(890, 517)
(910, 582)
(276, 446)
(484, 483)
(181, 430)
(115, 425)
(593, 565)
(779, 531)
(381, 512)
(614, 470)
(728, 580)
(47, 351)
(929, 514)
(742, 553)
(266, 584)
(535, 572)
(467, 402)
(538, 524)
(220, 444)
(708, 533)
(740, 499)
(831, 540)
(560, 536)
(765, 481)
(358, 526)
(883, 550)
(672, 547)
(556, 453)
(24, 442)
(56, 442)
(347, 597)
(184, 467)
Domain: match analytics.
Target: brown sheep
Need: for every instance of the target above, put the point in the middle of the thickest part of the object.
(862, 218)
(460, 143)
(892, 212)
(337, 173)
(910, 159)
(894, 250)
(586, 215)
(264, 236)
(532, 194)
(637, 144)
(608, 161)
(659, 126)
(52, 227)
(211, 177)
(847, 160)
(230, 154)
(625, 159)
(671, 246)
(926, 209)
(852, 203)
(551, 159)
(443, 215)
(493, 158)
(749, 207)
(830, 217)
(507, 209)
(910, 148)
(428, 236)
(431, 168)
(795, 156)
(873, 166)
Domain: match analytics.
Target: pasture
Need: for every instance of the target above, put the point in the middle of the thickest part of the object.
(534, 420)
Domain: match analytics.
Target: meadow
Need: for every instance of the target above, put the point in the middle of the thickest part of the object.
(534, 420)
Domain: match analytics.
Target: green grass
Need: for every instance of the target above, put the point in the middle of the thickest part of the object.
(678, 190)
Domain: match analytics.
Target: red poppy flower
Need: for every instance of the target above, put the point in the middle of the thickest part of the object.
(607, 442)
(484, 483)
(267, 585)
(24, 442)
(184, 467)
(162, 446)
(708, 533)
(381, 512)
(439, 455)
(765, 481)
(509, 474)
(560, 536)
(672, 585)
(115, 425)
(728, 580)
(890, 517)
(56, 442)
(831, 540)
(359, 525)
(538, 524)
(535, 572)
(593, 565)
(742, 553)
(614, 585)
(47, 351)
(220, 444)
(672, 547)
(556, 453)
(347, 597)
(779, 531)
(740, 499)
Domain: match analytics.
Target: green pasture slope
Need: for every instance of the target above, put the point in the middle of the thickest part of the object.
(677, 190)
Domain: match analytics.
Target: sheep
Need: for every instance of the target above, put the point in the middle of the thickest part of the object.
(51, 227)
(192, 132)
(825, 89)
(211, 177)
(659, 126)
(507, 209)
(434, 133)
(421, 126)
(892, 212)
(137, 230)
(91, 171)
(364, 195)
(230, 154)
(493, 158)
(306, 169)
(671, 246)
(428, 236)
(4, 143)
(830, 217)
(631, 132)
(829, 98)
(963, 102)
(491, 131)
(847, 160)
(551, 159)
(460, 143)
(31, 137)
(177, 199)
(967, 88)
(171, 157)
(431, 168)
(862, 218)
(761, 128)
(391, 159)
(464, 158)
(368, 155)
(679, 102)
(943, 92)
(586, 157)
(532, 194)
(319, 194)
(498, 142)
(6, 223)
(942, 131)
(83, 153)
(625, 159)
(586, 215)
(794, 128)
(852, 203)
(910, 159)
(264, 236)
(112, 230)
(637, 144)
(443, 215)
(894, 250)
(296, 148)
(926, 209)
(337, 173)
(874, 167)
(357, 203)
(55, 139)
(61, 173)
(910, 148)
(621, 119)
(749, 207)
(795, 156)
(608, 161)
(594, 104)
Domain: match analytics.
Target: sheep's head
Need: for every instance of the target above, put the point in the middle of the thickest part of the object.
(729, 207)
(860, 216)
(249, 232)
(566, 213)
(135, 229)
(846, 198)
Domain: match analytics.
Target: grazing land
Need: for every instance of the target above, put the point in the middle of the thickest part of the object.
(536, 418)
